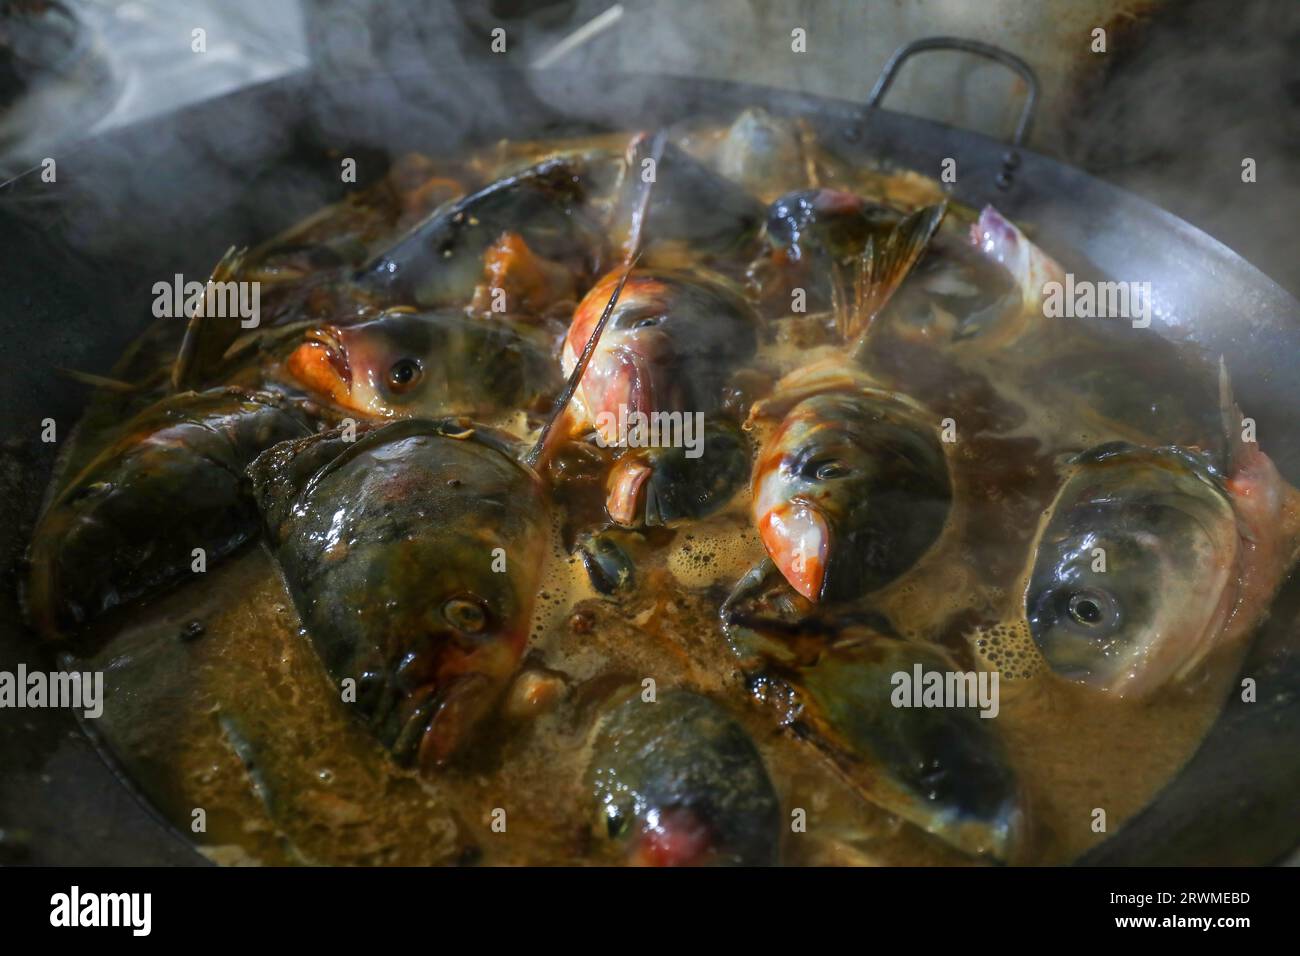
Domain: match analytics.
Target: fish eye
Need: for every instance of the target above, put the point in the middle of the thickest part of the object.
(404, 374)
(825, 469)
(1092, 611)
(647, 322)
(1084, 609)
(465, 615)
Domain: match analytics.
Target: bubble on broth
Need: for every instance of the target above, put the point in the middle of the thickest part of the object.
(723, 553)
(564, 583)
(1009, 648)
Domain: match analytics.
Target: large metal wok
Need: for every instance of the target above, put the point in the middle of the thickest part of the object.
(78, 258)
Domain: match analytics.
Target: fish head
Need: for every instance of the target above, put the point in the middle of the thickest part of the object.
(944, 769)
(374, 367)
(848, 492)
(401, 364)
(448, 663)
(1136, 568)
(459, 594)
(669, 343)
(678, 782)
(126, 524)
(411, 552)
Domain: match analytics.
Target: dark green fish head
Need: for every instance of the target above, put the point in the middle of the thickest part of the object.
(677, 782)
(440, 261)
(413, 554)
(128, 525)
(825, 222)
(938, 763)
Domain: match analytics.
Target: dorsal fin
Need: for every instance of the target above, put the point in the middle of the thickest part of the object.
(545, 441)
(207, 337)
(881, 269)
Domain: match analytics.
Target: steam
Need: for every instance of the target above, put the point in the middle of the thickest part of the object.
(1190, 92)
(1204, 87)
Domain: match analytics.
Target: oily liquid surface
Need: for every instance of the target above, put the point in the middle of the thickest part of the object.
(242, 723)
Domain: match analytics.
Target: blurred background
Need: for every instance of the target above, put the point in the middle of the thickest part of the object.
(1183, 92)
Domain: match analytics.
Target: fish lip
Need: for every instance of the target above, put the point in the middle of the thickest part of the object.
(624, 491)
(643, 391)
(320, 364)
(450, 716)
(674, 836)
(329, 337)
(811, 583)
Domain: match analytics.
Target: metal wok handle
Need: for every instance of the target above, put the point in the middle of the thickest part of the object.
(1010, 159)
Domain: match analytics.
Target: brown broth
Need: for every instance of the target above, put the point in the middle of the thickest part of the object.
(243, 723)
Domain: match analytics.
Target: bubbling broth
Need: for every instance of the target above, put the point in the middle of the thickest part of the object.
(714, 657)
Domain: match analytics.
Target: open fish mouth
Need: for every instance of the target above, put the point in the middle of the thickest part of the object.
(321, 364)
(440, 720)
(624, 382)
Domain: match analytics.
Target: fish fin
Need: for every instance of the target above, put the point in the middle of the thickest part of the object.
(98, 381)
(265, 338)
(841, 306)
(882, 267)
(1234, 450)
(1030, 268)
(207, 337)
(807, 138)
